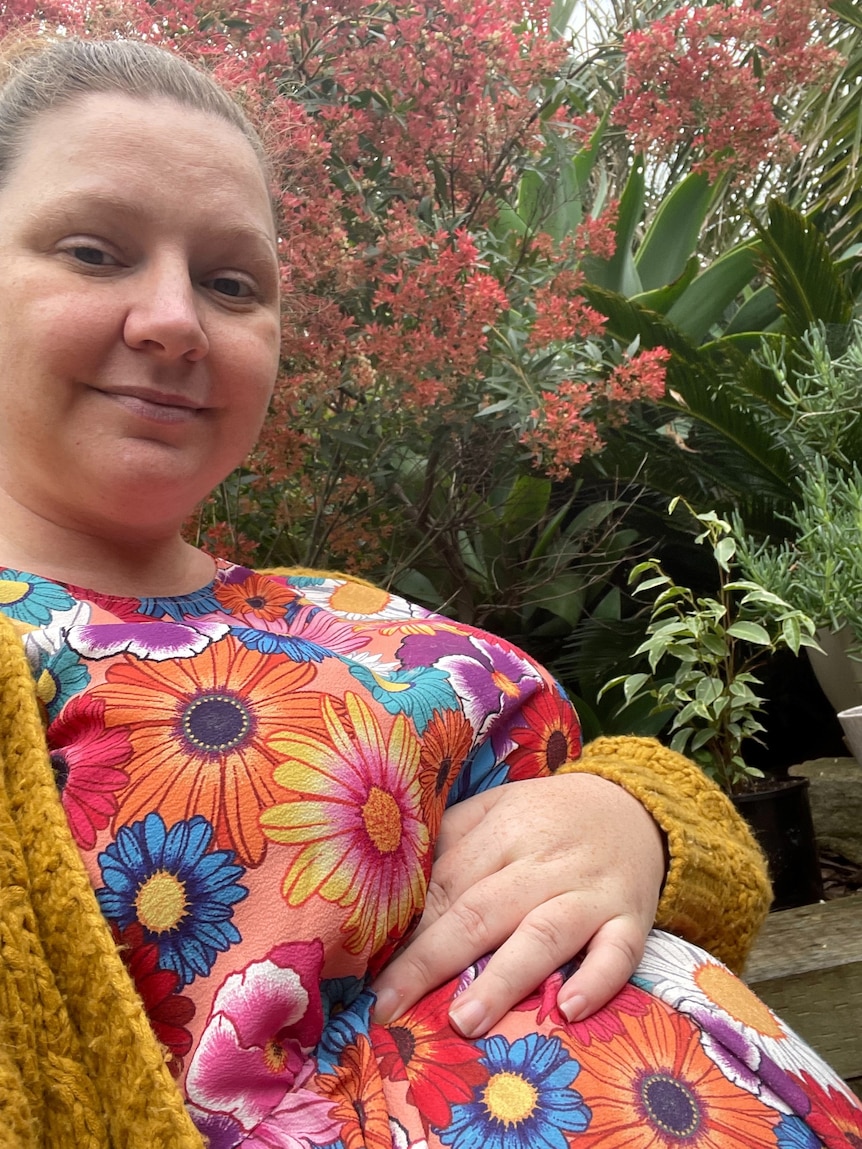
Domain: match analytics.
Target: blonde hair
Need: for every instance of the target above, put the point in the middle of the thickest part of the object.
(41, 76)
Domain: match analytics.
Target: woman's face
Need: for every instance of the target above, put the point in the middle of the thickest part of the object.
(139, 325)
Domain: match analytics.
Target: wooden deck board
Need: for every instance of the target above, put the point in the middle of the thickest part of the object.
(807, 966)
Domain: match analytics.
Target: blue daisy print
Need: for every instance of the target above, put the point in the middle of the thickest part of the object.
(28, 598)
(182, 895)
(296, 649)
(194, 605)
(527, 1101)
(303, 580)
(346, 1013)
(482, 770)
(793, 1133)
(59, 676)
(416, 691)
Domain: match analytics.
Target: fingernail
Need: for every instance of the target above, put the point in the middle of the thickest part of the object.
(469, 1018)
(386, 1007)
(573, 1008)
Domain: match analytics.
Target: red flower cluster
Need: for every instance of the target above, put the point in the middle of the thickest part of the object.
(564, 427)
(712, 79)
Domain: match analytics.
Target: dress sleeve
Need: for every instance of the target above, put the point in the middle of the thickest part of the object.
(717, 892)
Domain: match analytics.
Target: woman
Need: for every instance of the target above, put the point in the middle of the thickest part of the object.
(254, 769)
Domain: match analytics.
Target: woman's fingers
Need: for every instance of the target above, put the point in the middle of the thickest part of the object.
(535, 872)
(494, 915)
(611, 957)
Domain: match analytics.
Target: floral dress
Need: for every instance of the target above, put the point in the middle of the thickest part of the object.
(255, 775)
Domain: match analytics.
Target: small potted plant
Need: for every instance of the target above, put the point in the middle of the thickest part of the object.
(702, 654)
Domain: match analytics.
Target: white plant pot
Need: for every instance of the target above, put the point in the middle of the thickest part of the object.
(851, 724)
(839, 675)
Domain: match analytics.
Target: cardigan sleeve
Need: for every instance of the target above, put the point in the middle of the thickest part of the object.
(717, 892)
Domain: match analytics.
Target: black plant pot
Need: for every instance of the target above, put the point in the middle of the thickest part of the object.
(780, 817)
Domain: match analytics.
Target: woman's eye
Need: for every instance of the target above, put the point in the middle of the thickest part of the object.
(230, 286)
(94, 256)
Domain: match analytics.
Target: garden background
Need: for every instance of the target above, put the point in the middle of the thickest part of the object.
(545, 268)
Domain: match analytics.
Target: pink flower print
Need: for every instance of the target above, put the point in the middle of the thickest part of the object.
(86, 759)
(254, 1049)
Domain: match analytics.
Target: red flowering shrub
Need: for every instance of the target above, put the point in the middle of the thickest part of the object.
(429, 314)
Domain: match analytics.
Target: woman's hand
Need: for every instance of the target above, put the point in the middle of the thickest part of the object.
(535, 871)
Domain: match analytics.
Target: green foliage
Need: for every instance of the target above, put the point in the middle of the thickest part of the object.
(817, 563)
(712, 645)
(508, 554)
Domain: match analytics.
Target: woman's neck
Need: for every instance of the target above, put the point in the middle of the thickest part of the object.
(139, 567)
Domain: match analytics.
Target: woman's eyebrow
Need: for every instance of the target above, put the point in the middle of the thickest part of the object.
(64, 206)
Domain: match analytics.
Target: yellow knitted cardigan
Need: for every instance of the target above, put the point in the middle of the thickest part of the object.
(80, 1067)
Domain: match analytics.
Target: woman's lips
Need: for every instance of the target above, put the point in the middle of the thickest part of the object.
(157, 408)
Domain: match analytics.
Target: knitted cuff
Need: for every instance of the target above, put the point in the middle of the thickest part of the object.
(716, 893)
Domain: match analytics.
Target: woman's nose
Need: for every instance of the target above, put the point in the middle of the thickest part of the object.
(163, 316)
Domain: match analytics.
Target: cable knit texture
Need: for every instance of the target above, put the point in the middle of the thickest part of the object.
(717, 892)
(80, 1066)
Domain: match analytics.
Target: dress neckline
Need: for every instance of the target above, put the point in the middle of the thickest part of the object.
(222, 570)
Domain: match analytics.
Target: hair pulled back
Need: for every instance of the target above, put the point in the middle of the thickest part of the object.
(43, 76)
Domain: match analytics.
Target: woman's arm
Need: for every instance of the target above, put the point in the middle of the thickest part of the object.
(539, 870)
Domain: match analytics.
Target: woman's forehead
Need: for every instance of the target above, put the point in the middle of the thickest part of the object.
(123, 151)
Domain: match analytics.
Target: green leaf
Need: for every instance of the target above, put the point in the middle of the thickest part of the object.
(756, 314)
(508, 220)
(848, 10)
(709, 689)
(563, 596)
(750, 632)
(651, 583)
(525, 503)
(672, 236)
(633, 684)
(619, 273)
(702, 738)
(530, 191)
(703, 303)
(415, 585)
(802, 272)
(661, 299)
(680, 740)
(723, 552)
(566, 208)
(791, 632)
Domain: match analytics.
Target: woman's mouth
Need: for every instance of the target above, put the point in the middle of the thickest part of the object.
(156, 406)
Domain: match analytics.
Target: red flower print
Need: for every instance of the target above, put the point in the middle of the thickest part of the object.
(168, 1012)
(422, 1048)
(835, 1119)
(549, 735)
(86, 758)
(122, 607)
(601, 1026)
